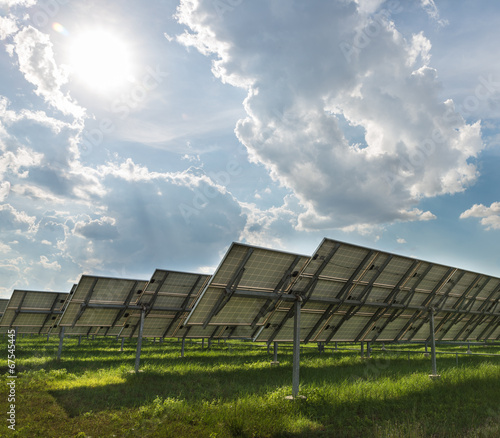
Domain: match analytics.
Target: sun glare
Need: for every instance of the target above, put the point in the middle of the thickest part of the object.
(101, 60)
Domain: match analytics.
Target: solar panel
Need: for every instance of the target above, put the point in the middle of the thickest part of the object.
(3, 306)
(33, 312)
(169, 295)
(247, 285)
(100, 302)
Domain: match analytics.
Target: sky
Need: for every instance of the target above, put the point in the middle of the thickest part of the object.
(145, 135)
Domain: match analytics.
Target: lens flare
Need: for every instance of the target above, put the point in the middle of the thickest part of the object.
(59, 28)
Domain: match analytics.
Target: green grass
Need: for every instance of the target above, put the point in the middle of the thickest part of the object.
(233, 391)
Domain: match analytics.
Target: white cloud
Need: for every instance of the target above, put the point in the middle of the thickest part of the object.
(8, 26)
(490, 216)
(432, 11)
(15, 220)
(4, 247)
(304, 87)
(10, 3)
(103, 228)
(54, 266)
(36, 61)
(267, 227)
(401, 241)
(4, 190)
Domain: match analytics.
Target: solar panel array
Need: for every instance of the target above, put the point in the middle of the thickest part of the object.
(99, 305)
(34, 312)
(347, 293)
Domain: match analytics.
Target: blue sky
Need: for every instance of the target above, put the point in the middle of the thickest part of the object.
(144, 135)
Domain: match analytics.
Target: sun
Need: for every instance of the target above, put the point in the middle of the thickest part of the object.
(101, 60)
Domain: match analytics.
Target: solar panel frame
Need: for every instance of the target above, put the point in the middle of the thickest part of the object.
(248, 283)
(33, 312)
(100, 302)
(168, 297)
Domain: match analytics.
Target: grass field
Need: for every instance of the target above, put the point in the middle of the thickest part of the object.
(232, 390)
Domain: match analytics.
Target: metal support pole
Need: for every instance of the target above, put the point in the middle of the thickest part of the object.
(368, 350)
(296, 350)
(182, 346)
(202, 343)
(209, 343)
(139, 341)
(362, 349)
(123, 341)
(61, 337)
(79, 339)
(15, 335)
(434, 374)
(275, 348)
(48, 337)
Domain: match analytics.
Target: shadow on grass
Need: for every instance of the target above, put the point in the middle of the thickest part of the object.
(232, 382)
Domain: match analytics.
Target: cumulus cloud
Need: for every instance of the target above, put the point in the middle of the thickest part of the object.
(36, 61)
(490, 216)
(8, 26)
(44, 262)
(267, 227)
(308, 91)
(13, 219)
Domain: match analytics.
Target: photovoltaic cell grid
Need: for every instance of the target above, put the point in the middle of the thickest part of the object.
(34, 312)
(3, 306)
(245, 288)
(99, 304)
(349, 293)
(169, 296)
